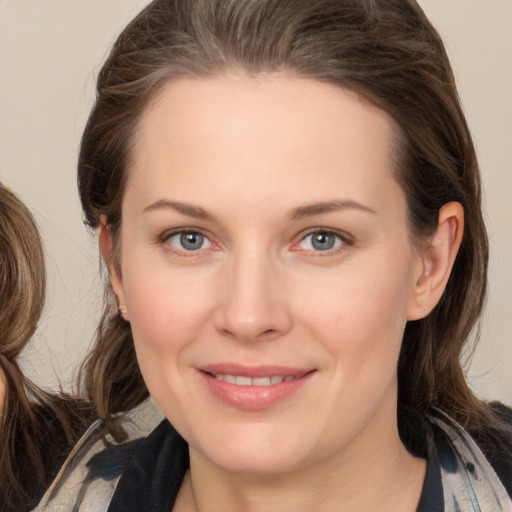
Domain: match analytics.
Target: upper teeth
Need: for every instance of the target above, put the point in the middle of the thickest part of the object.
(256, 381)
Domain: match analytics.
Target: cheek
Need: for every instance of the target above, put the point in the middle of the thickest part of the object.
(167, 312)
(170, 310)
(363, 314)
(165, 308)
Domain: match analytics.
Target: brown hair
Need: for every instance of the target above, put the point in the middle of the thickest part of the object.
(386, 50)
(37, 428)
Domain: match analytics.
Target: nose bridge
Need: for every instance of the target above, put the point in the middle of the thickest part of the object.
(254, 305)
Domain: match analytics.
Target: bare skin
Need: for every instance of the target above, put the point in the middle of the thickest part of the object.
(264, 235)
(361, 482)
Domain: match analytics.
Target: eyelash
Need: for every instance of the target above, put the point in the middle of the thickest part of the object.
(166, 237)
(343, 241)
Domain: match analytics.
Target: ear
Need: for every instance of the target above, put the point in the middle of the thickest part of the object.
(107, 248)
(436, 260)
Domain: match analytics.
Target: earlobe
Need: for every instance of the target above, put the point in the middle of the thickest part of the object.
(107, 248)
(436, 261)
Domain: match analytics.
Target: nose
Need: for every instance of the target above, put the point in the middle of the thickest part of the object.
(253, 303)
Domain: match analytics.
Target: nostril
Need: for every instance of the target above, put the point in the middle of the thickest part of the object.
(252, 320)
(269, 334)
(226, 332)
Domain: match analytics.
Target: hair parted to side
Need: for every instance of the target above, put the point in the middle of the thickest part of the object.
(37, 428)
(388, 51)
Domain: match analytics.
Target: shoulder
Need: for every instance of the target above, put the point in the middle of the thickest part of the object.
(88, 477)
(498, 451)
(502, 411)
(470, 461)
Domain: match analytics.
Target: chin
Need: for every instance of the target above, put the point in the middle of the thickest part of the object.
(249, 462)
(254, 450)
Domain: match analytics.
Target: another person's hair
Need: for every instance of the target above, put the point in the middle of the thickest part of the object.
(386, 50)
(37, 428)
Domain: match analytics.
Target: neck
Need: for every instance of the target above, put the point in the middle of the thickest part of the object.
(375, 472)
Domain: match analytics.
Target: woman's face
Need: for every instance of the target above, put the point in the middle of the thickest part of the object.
(267, 269)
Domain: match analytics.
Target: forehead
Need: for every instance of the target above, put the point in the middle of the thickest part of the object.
(269, 134)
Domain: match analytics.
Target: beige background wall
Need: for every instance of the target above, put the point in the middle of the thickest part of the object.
(50, 51)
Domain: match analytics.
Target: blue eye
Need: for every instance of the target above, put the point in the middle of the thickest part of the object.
(321, 241)
(189, 241)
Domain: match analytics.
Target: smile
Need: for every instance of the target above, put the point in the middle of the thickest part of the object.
(254, 388)
(242, 380)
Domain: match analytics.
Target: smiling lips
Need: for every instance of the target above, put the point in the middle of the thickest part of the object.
(256, 388)
(242, 380)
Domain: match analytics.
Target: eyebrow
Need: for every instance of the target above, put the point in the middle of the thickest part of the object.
(295, 214)
(327, 207)
(183, 208)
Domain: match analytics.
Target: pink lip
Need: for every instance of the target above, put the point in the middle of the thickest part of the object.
(253, 371)
(254, 397)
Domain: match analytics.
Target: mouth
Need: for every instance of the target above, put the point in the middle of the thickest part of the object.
(254, 388)
(244, 380)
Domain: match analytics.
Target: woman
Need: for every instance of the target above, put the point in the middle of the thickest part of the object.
(288, 202)
(38, 429)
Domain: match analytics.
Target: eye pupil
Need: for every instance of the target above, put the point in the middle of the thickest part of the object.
(191, 241)
(323, 241)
